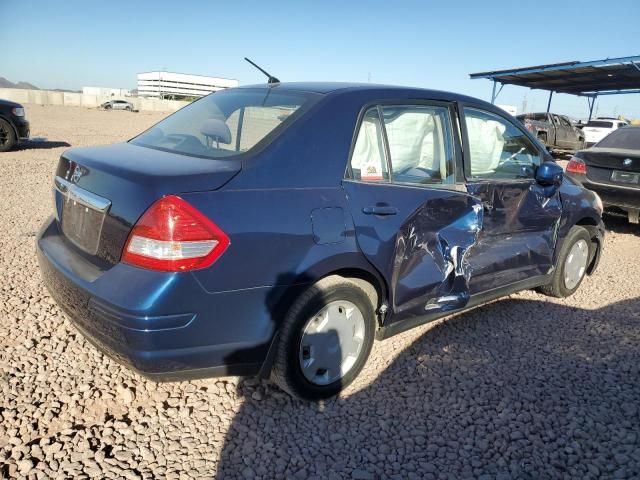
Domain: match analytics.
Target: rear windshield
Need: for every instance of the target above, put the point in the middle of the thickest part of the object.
(599, 124)
(533, 116)
(627, 138)
(226, 123)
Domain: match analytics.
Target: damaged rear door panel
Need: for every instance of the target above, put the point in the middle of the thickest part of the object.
(414, 223)
(423, 249)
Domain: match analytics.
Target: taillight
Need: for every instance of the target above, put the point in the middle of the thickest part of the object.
(576, 165)
(172, 236)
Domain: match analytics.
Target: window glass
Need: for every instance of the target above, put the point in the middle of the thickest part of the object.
(599, 124)
(210, 127)
(420, 144)
(368, 162)
(497, 148)
(564, 122)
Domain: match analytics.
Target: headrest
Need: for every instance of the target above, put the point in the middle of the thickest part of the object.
(217, 130)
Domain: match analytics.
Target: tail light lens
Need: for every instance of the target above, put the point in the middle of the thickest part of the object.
(576, 165)
(173, 236)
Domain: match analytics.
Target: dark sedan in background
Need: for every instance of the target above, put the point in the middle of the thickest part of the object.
(612, 169)
(13, 125)
(279, 229)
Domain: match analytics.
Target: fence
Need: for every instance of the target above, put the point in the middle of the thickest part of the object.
(48, 97)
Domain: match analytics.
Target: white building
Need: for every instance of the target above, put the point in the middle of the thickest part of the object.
(171, 85)
(106, 92)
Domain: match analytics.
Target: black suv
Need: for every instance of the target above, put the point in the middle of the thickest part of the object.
(13, 125)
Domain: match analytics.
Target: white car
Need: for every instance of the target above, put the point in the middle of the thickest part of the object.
(597, 129)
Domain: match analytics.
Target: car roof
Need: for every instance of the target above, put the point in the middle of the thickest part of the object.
(328, 88)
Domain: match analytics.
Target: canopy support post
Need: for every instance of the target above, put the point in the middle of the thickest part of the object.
(592, 101)
(549, 102)
(494, 93)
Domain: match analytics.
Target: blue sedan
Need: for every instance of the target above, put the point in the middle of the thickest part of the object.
(277, 230)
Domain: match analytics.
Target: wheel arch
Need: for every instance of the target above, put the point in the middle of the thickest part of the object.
(592, 226)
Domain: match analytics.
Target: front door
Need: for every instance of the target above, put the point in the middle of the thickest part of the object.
(518, 236)
(414, 222)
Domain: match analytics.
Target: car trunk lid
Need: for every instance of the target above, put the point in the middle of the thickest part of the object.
(100, 192)
(613, 166)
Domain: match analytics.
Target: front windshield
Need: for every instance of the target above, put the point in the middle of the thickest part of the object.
(226, 123)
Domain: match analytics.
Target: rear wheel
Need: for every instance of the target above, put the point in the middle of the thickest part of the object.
(325, 339)
(572, 265)
(7, 136)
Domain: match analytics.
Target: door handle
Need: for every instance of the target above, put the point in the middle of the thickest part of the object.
(380, 210)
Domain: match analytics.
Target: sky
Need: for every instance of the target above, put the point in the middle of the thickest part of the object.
(72, 43)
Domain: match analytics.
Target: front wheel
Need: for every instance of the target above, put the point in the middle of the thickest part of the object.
(325, 339)
(571, 268)
(7, 136)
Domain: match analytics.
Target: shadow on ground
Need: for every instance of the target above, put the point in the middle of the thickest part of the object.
(41, 145)
(514, 389)
(620, 225)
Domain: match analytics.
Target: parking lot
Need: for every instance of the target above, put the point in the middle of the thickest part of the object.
(525, 387)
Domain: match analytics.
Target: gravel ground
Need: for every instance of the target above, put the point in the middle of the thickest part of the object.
(526, 387)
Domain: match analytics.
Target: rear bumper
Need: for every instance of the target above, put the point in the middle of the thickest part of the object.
(626, 198)
(163, 325)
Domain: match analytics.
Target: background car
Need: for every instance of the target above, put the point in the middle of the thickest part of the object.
(612, 169)
(596, 130)
(14, 126)
(554, 131)
(258, 247)
(117, 105)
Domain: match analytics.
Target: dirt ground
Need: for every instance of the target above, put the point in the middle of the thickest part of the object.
(526, 387)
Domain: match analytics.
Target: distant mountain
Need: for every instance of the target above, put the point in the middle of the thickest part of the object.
(4, 83)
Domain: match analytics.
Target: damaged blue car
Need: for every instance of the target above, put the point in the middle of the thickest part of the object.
(277, 230)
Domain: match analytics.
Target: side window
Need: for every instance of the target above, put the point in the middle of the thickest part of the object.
(497, 148)
(565, 122)
(420, 144)
(368, 162)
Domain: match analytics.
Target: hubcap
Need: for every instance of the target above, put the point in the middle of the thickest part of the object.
(576, 264)
(331, 342)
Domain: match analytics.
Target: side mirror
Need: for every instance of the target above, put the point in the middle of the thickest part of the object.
(549, 174)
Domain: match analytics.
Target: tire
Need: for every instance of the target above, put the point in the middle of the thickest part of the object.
(297, 340)
(560, 286)
(8, 138)
(128, 109)
(107, 107)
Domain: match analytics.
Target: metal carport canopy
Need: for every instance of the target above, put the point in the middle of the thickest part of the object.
(611, 76)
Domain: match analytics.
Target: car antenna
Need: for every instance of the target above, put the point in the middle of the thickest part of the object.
(270, 78)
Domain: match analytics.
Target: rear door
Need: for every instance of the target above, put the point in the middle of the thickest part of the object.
(518, 236)
(562, 134)
(414, 222)
(572, 140)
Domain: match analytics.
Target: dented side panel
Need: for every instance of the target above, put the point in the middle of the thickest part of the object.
(424, 250)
